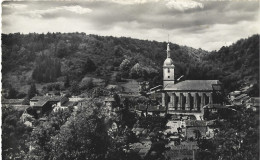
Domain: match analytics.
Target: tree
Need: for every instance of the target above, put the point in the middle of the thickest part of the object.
(42, 134)
(237, 138)
(83, 137)
(47, 69)
(74, 89)
(67, 82)
(62, 49)
(118, 51)
(206, 114)
(32, 91)
(15, 135)
(117, 99)
(125, 67)
(87, 84)
(118, 77)
(12, 93)
(89, 66)
(136, 71)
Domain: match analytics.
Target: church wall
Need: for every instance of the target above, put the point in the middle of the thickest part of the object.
(188, 101)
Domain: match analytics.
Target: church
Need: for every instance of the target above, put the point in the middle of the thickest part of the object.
(187, 97)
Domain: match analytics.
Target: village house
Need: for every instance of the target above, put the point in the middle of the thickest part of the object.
(253, 103)
(241, 99)
(143, 86)
(141, 110)
(144, 110)
(156, 111)
(214, 108)
(45, 104)
(233, 95)
(65, 105)
(195, 129)
(110, 105)
(76, 99)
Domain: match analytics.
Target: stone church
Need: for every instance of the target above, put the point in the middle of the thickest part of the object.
(187, 97)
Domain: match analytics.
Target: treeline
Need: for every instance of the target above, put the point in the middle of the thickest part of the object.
(80, 54)
(77, 51)
(236, 65)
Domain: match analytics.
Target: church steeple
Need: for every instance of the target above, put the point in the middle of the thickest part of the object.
(168, 50)
(168, 68)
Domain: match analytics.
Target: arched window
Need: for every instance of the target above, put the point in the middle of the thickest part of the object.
(169, 70)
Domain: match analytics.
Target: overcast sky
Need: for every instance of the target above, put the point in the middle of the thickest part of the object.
(199, 24)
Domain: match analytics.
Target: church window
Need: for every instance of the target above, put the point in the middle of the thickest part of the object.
(168, 76)
(168, 70)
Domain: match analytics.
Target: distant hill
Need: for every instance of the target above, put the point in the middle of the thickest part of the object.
(51, 57)
(236, 65)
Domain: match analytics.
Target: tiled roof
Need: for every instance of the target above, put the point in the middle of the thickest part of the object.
(216, 106)
(246, 98)
(109, 99)
(255, 101)
(156, 108)
(192, 85)
(12, 101)
(235, 93)
(195, 123)
(42, 100)
(70, 104)
(141, 107)
(36, 98)
(241, 96)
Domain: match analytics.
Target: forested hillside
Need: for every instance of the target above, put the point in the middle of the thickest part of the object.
(43, 58)
(236, 65)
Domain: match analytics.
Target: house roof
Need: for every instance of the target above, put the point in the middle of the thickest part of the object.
(156, 108)
(255, 101)
(42, 100)
(141, 107)
(216, 106)
(109, 99)
(70, 104)
(36, 98)
(246, 98)
(195, 123)
(235, 93)
(12, 101)
(192, 85)
(240, 96)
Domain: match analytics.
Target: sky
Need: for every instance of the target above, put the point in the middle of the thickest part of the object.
(208, 25)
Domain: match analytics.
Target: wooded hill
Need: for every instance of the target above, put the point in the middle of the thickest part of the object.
(51, 57)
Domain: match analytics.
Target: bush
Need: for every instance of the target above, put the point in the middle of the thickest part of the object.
(88, 84)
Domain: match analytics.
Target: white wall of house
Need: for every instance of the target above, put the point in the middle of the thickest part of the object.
(32, 103)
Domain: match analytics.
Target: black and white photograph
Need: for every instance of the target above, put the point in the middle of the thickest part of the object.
(130, 80)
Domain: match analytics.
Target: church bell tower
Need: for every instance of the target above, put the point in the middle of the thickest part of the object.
(168, 69)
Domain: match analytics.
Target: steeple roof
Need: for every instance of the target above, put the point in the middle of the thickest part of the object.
(168, 61)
